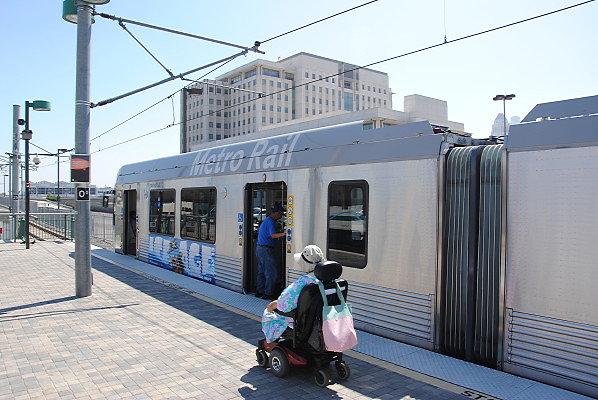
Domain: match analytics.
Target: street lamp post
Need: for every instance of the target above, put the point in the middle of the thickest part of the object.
(504, 98)
(4, 186)
(60, 151)
(79, 12)
(37, 105)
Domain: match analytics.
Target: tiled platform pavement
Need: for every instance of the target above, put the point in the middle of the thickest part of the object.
(137, 338)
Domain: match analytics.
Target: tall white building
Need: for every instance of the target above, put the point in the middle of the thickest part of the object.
(299, 91)
(300, 86)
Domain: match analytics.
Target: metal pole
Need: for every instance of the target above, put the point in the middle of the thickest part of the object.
(27, 184)
(504, 114)
(82, 239)
(58, 179)
(16, 114)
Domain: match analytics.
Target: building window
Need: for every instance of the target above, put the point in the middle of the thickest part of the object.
(198, 214)
(313, 76)
(347, 222)
(307, 74)
(271, 72)
(250, 73)
(348, 104)
(162, 211)
(289, 76)
(235, 79)
(264, 107)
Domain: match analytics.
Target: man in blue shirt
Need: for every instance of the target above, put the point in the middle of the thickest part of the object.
(267, 272)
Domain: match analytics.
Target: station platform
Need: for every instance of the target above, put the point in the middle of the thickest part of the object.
(147, 332)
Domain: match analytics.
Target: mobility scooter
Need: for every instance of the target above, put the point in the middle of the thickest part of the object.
(303, 345)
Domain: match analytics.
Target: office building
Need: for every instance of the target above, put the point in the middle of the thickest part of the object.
(292, 93)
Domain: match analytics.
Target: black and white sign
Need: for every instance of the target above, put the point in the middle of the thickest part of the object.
(82, 194)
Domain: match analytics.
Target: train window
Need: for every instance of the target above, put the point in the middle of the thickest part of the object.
(198, 214)
(347, 222)
(162, 208)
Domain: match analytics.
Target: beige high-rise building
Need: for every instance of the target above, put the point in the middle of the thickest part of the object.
(263, 93)
(302, 91)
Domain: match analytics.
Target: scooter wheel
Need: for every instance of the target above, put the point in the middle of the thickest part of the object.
(261, 357)
(321, 378)
(279, 363)
(342, 370)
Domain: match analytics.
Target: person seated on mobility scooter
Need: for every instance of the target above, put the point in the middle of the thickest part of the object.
(293, 324)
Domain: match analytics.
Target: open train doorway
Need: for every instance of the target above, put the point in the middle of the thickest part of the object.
(259, 198)
(130, 223)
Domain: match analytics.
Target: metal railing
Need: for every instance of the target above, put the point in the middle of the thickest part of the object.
(102, 227)
(42, 226)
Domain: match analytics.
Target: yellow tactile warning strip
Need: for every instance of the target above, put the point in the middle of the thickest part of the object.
(439, 383)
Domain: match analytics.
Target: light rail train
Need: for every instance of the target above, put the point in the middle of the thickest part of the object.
(482, 251)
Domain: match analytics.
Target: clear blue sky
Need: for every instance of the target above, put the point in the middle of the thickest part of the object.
(553, 58)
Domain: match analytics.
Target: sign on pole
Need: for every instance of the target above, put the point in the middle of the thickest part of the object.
(80, 165)
(82, 194)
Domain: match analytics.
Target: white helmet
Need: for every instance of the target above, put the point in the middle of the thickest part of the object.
(309, 257)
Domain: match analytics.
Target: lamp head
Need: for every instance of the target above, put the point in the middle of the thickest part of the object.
(69, 9)
(40, 105)
(37, 160)
(499, 97)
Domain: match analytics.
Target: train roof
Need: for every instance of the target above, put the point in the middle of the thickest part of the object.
(338, 145)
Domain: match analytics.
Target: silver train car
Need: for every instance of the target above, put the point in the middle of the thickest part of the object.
(481, 251)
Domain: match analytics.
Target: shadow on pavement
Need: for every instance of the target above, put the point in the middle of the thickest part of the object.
(368, 379)
(59, 312)
(40, 303)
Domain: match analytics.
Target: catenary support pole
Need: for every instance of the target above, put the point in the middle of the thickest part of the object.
(27, 183)
(82, 238)
(15, 159)
(58, 179)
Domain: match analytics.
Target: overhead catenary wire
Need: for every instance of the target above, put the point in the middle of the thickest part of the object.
(182, 78)
(158, 102)
(146, 25)
(318, 21)
(168, 71)
(366, 66)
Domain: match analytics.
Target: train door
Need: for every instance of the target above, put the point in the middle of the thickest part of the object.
(130, 222)
(259, 197)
